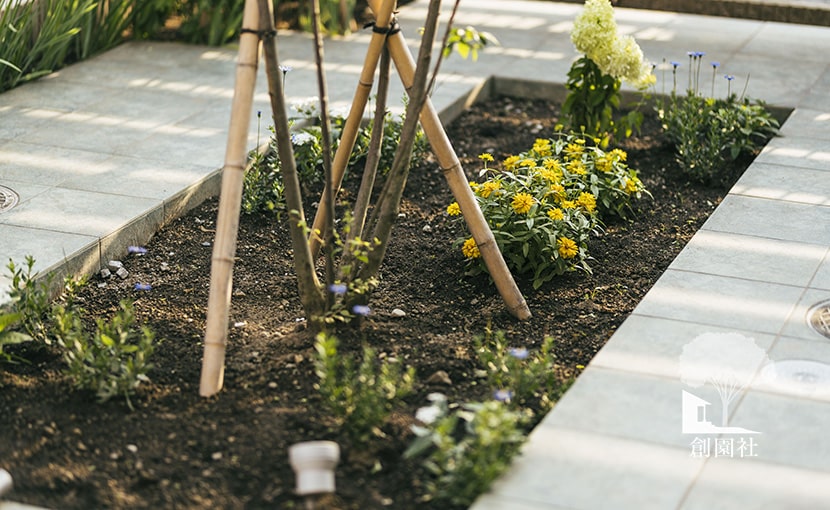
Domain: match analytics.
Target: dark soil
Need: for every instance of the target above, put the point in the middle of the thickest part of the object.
(178, 450)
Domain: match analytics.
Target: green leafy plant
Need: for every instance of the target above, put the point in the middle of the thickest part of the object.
(594, 80)
(32, 299)
(466, 448)
(518, 376)
(210, 22)
(544, 205)
(468, 41)
(709, 133)
(8, 335)
(360, 398)
(112, 361)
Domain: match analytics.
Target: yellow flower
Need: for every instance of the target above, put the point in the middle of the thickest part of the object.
(552, 164)
(542, 147)
(485, 156)
(568, 204)
(487, 188)
(551, 175)
(453, 209)
(474, 185)
(527, 162)
(605, 163)
(577, 167)
(632, 185)
(620, 154)
(522, 203)
(510, 162)
(567, 248)
(587, 201)
(470, 249)
(556, 214)
(558, 191)
(574, 149)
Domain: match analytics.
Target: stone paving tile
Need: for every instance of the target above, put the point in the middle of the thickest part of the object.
(807, 123)
(652, 346)
(798, 152)
(32, 163)
(786, 183)
(730, 483)
(719, 301)
(821, 280)
(574, 469)
(793, 430)
(750, 257)
(788, 221)
(797, 325)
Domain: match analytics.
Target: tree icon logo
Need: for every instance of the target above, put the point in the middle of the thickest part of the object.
(727, 361)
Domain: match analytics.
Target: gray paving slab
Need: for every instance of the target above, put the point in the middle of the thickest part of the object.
(803, 446)
(751, 257)
(775, 219)
(785, 183)
(573, 469)
(783, 376)
(720, 301)
(653, 345)
(727, 484)
(796, 325)
(821, 280)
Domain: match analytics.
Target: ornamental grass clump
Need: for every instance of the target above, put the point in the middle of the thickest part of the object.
(545, 204)
(594, 80)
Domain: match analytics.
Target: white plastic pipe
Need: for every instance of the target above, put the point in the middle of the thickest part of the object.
(6, 483)
(313, 463)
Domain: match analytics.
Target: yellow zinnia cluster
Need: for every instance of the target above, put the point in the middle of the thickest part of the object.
(486, 156)
(619, 154)
(558, 191)
(632, 185)
(574, 149)
(605, 163)
(587, 201)
(568, 204)
(453, 209)
(522, 203)
(567, 248)
(527, 162)
(576, 166)
(470, 249)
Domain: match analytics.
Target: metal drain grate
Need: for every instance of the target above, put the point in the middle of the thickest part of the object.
(819, 318)
(8, 198)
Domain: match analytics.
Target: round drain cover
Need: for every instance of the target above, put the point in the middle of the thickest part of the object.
(8, 198)
(800, 376)
(819, 318)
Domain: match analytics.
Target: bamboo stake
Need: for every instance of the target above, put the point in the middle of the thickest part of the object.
(325, 132)
(307, 282)
(350, 129)
(227, 222)
(459, 186)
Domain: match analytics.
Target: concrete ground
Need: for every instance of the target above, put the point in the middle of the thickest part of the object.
(104, 152)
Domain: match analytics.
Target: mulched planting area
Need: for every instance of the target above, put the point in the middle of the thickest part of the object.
(178, 450)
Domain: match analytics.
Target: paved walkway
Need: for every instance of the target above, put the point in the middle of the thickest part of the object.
(104, 152)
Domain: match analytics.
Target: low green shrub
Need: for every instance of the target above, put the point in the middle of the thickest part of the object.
(710, 133)
(524, 379)
(112, 361)
(8, 335)
(466, 448)
(359, 398)
(32, 299)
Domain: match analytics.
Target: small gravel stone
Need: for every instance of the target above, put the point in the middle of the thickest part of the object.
(115, 265)
(440, 377)
(397, 312)
(105, 273)
(122, 273)
(427, 228)
(206, 243)
(132, 448)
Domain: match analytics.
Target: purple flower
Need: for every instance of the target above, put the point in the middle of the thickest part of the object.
(361, 310)
(674, 64)
(503, 395)
(715, 65)
(518, 352)
(338, 289)
(286, 69)
(143, 286)
(729, 77)
(140, 250)
(699, 54)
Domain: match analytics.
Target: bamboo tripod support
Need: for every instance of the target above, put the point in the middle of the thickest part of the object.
(227, 223)
(434, 131)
